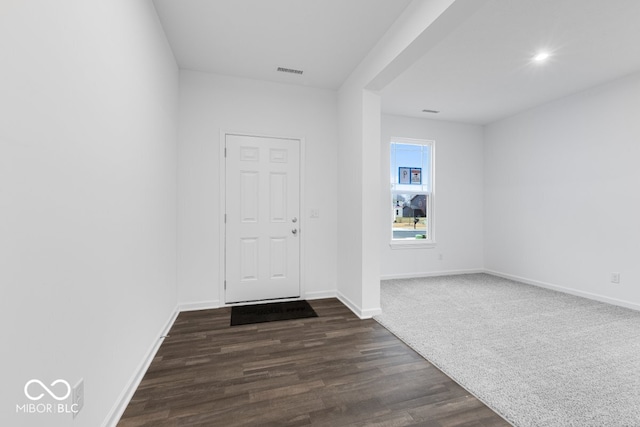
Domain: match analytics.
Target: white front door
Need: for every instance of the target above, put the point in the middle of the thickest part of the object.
(262, 218)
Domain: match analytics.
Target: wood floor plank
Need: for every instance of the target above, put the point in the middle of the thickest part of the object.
(332, 370)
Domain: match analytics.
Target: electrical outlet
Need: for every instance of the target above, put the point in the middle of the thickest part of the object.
(315, 213)
(77, 397)
(440, 257)
(615, 277)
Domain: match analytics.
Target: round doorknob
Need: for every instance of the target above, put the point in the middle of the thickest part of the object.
(294, 231)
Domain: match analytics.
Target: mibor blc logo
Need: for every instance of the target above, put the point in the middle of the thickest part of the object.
(35, 390)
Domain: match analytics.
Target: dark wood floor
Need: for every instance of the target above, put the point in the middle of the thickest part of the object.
(332, 370)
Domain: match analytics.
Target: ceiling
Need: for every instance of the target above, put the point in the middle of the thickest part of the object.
(480, 72)
(326, 39)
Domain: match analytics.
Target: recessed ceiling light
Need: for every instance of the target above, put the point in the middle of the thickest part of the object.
(541, 56)
(431, 111)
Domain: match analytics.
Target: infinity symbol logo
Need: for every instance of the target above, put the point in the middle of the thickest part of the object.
(52, 394)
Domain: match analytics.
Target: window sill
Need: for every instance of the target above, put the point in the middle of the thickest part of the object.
(412, 244)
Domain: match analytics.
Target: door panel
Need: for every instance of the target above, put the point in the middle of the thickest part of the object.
(262, 210)
(278, 193)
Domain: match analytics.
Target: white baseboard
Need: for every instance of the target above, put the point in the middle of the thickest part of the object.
(566, 290)
(370, 312)
(125, 396)
(362, 314)
(320, 294)
(431, 274)
(203, 305)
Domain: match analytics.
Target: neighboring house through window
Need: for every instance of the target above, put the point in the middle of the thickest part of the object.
(412, 192)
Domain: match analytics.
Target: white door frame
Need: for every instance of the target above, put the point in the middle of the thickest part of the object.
(222, 210)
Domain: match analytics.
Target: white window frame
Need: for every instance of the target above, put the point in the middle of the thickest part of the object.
(430, 242)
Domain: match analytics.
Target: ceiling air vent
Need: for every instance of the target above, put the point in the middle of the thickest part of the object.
(431, 111)
(289, 70)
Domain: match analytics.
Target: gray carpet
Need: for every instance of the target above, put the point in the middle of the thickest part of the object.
(537, 357)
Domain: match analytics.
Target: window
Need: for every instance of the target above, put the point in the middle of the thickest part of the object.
(411, 192)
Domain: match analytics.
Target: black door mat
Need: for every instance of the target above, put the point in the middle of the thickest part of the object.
(259, 313)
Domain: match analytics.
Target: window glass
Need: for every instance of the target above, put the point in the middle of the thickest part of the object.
(411, 190)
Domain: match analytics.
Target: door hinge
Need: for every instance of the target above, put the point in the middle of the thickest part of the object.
(225, 218)
(225, 285)
(225, 151)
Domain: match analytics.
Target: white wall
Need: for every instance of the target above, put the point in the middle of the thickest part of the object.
(87, 198)
(359, 118)
(458, 199)
(211, 104)
(349, 193)
(561, 193)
